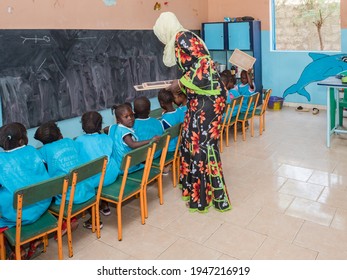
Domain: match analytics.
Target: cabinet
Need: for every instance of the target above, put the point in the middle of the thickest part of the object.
(222, 38)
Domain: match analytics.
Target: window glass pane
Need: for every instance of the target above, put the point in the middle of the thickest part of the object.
(311, 25)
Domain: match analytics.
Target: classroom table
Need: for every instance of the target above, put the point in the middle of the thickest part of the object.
(333, 127)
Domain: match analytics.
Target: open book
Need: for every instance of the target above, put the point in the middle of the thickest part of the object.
(153, 85)
(242, 59)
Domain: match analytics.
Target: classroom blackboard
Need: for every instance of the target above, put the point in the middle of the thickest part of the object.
(59, 74)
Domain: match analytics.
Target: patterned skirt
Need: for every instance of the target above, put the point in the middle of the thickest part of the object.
(201, 174)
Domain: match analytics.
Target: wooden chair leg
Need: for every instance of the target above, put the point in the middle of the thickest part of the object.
(221, 141)
(260, 125)
(143, 207)
(227, 136)
(119, 220)
(144, 201)
(60, 244)
(244, 130)
(69, 237)
(97, 221)
(160, 186)
(174, 174)
(2, 247)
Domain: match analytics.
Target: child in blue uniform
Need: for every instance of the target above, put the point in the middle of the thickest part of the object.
(146, 127)
(21, 165)
(93, 144)
(61, 155)
(170, 116)
(246, 88)
(124, 137)
(180, 99)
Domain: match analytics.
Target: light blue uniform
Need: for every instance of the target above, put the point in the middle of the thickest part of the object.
(95, 145)
(184, 109)
(120, 148)
(246, 91)
(170, 119)
(61, 156)
(146, 129)
(19, 168)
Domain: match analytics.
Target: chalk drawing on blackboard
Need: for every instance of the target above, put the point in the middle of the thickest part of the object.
(44, 38)
(86, 38)
(43, 62)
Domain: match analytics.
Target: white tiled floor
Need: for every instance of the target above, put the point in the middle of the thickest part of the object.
(289, 196)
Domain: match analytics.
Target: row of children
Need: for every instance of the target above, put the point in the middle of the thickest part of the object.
(22, 164)
(245, 87)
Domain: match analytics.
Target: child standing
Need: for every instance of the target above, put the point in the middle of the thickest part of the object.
(170, 116)
(124, 137)
(246, 88)
(146, 127)
(92, 145)
(21, 165)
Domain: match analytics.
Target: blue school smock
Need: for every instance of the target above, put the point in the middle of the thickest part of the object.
(61, 157)
(95, 145)
(146, 129)
(120, 148)
(20, 167)
(170, 119)
(246, 91)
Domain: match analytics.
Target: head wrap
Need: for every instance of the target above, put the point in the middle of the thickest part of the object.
(166, 27)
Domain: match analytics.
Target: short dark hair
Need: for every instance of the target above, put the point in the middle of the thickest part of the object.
(91, 122)
(48, 132)
(165, 96)
(119, 109)
(11, 134)
(142, 106)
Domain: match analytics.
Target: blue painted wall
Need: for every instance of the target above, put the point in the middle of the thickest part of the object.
(281, 69)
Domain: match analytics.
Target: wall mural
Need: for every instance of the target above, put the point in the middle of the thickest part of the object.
(322, 67)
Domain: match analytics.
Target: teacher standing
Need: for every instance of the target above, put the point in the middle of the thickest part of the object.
(201, 169)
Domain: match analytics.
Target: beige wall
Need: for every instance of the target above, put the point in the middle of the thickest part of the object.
(94, 14)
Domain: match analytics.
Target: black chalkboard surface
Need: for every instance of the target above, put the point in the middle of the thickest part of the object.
(60, 74)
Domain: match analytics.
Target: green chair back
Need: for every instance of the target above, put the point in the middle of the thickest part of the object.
(89, 169)
(137, 155)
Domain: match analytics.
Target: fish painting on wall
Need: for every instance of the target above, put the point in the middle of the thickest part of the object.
(322, 67)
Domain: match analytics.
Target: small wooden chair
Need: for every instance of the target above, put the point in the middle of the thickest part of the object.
(173, 157)
(230, 120)
(123, 188)
(45, 225)
(260, 112)
(249, 114)
(155, 171)
(79, 174)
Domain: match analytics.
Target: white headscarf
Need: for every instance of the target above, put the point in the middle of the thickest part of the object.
(166, 27)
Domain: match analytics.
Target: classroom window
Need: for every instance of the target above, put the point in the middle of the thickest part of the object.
(306, 25)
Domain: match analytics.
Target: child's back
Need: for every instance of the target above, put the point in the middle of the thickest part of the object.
(245, 88)
(94, 145)
(61, 155)
(20, 166)
(146, 127)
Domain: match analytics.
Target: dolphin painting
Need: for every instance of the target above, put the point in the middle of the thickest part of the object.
(322, 67)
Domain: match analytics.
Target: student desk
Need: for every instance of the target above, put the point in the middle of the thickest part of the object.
(333, 84)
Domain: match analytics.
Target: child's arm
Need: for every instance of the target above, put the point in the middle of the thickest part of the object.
(249, 78)
(136, 144)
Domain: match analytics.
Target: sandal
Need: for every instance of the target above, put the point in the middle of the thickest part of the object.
(301, 109)
(315, 111)
(88, 224)
(35, 249)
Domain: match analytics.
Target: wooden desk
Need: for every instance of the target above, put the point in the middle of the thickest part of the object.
(333, 84)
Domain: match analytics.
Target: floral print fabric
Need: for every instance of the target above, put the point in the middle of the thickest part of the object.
(201, 172)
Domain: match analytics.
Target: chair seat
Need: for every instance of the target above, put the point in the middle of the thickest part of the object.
(137, 175)
(258, 112)
(242, 117)
(45, 223)
(75, 207)
(112, 191)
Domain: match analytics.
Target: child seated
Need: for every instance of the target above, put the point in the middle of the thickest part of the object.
(93, 145)
(146, 127)
(180, 99)
(246, 88)
(170, 116)
(124, 137)
(21, 165)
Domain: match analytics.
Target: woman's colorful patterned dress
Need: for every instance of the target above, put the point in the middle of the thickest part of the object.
(201, 169)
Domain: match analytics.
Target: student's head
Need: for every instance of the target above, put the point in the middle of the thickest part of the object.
(180, 98)
(243, 76)
(232, 81)
(91, 122)
(13, 135)
(225, 79)
(142, 107)
(165, 98)
(48, 132)
(124, 115)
